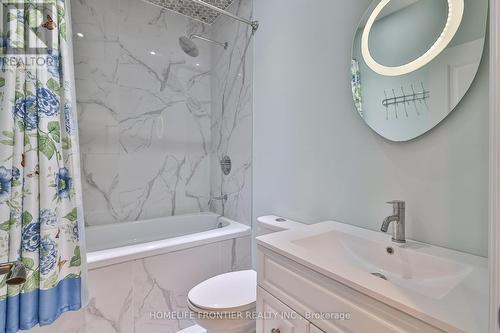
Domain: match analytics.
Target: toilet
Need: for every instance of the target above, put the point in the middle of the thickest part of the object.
(226, 303)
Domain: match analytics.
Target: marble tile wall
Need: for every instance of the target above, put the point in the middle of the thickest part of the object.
(126, 298)
(154, 122)
(232, 118)
(144, 111)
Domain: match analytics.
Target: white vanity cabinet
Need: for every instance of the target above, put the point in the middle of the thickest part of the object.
(321, 304)
(279, 318)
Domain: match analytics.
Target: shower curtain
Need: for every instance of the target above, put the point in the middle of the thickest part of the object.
(356, 86)
(41, 217)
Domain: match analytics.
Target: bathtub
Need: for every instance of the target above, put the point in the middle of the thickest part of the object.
(122, 242)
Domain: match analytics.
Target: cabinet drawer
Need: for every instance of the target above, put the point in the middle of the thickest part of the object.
(317, 298)
(277, 317)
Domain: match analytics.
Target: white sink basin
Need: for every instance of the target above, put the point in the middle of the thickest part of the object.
(402, 265)
(445, 288)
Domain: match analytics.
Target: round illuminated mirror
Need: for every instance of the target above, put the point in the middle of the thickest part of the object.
(413, 61)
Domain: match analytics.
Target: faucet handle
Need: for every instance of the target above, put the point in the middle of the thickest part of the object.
(397, 204)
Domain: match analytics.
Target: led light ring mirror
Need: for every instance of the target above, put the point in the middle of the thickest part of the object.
(455, 15)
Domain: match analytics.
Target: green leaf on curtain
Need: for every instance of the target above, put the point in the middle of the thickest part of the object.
(61, 15)
(53, 85)
(60, 12)
(28, 262)
(10, 138)
(32, 282)
(46, 146)
(2, 82)
(76, 260)
(26, 139)
(5, 226)
(26, 217)
(72, 216)
(19, 95)
(54, 131)
(66, 143)
(62, 30)
(34, 17)
(72, 276)
(13, 291)
(7, 142)
(51, 282)
(3, 282)
(21, 126)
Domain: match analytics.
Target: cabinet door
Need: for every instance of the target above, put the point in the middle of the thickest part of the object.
(314, 329)
(276, 317)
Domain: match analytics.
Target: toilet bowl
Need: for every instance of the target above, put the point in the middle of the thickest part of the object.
(225, 303)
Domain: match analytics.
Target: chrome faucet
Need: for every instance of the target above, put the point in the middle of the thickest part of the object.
(398, 217)
(223, 198)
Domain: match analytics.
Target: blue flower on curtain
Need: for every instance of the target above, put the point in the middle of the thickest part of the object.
(31, 237)
(64, 183)
(75, 232)
(68, 118)
(25, 109)
(48, 103)
(53, 62)
(4, 41)
(20, 17)
(48, 255)
(48, 217)
(16, 173)
(5, 183)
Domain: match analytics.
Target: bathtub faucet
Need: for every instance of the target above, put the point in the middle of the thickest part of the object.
(222, 198)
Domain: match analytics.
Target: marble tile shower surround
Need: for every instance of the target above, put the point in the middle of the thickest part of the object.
(124, 296)
(231, 122)
(145, 119)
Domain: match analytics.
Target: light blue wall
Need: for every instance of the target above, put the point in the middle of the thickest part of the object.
(315, 159)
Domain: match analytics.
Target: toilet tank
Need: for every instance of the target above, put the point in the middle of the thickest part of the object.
(272, 223)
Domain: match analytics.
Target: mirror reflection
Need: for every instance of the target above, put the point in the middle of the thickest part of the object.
(403, 107)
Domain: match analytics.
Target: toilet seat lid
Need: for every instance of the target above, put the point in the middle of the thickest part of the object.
(230, 291)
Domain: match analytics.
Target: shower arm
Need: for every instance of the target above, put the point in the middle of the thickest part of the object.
(224, 45)
(253, 24)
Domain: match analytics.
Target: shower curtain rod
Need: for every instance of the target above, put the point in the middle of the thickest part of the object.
(253, 24)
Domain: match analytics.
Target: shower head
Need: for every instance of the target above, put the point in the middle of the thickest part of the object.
(191, 49)
(206, 11)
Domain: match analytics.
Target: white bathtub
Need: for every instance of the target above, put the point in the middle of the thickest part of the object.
(121, 242)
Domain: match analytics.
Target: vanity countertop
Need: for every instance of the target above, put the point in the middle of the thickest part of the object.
(454, 302)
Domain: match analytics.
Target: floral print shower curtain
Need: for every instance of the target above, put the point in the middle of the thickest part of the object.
(41, 219)
(356, 86)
